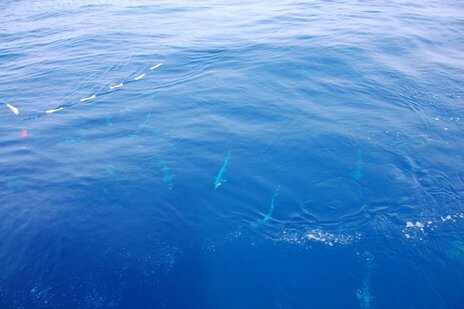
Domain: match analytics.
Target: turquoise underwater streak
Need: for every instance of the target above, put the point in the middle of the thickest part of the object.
(168, 177)
(363, 294)
(74, 140)
(109, 121)
(271, 210)
(357, 174)
(219, 179)
(121, 199)
(140, 127)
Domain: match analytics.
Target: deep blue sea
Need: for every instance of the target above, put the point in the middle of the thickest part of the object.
(232, 154)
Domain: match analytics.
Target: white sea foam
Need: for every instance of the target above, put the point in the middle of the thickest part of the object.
(418, 230)
(316, 235)
(448, 217)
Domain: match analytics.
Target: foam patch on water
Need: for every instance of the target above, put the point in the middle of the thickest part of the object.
(419, 229)
(317, 236)
(331, 238)
(41, 293)
(304, 239)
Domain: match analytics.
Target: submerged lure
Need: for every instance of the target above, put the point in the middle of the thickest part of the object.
(219, 180)
(271, 209)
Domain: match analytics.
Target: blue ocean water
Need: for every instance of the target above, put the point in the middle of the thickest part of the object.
(240, 154)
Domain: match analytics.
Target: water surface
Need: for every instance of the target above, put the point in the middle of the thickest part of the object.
(297, 154)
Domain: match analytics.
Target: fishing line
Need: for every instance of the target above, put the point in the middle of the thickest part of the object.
(102, 77)
(97, 94)
(275, 143)
(94, 76)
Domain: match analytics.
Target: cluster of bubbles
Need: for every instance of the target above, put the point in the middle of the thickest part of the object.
(419, 229)
(315, 236)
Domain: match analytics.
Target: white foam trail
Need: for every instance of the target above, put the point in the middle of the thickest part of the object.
(89, 98)
(13, 109)
(156, 66)
(51, 111)
(117, 86)
(139, 77)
